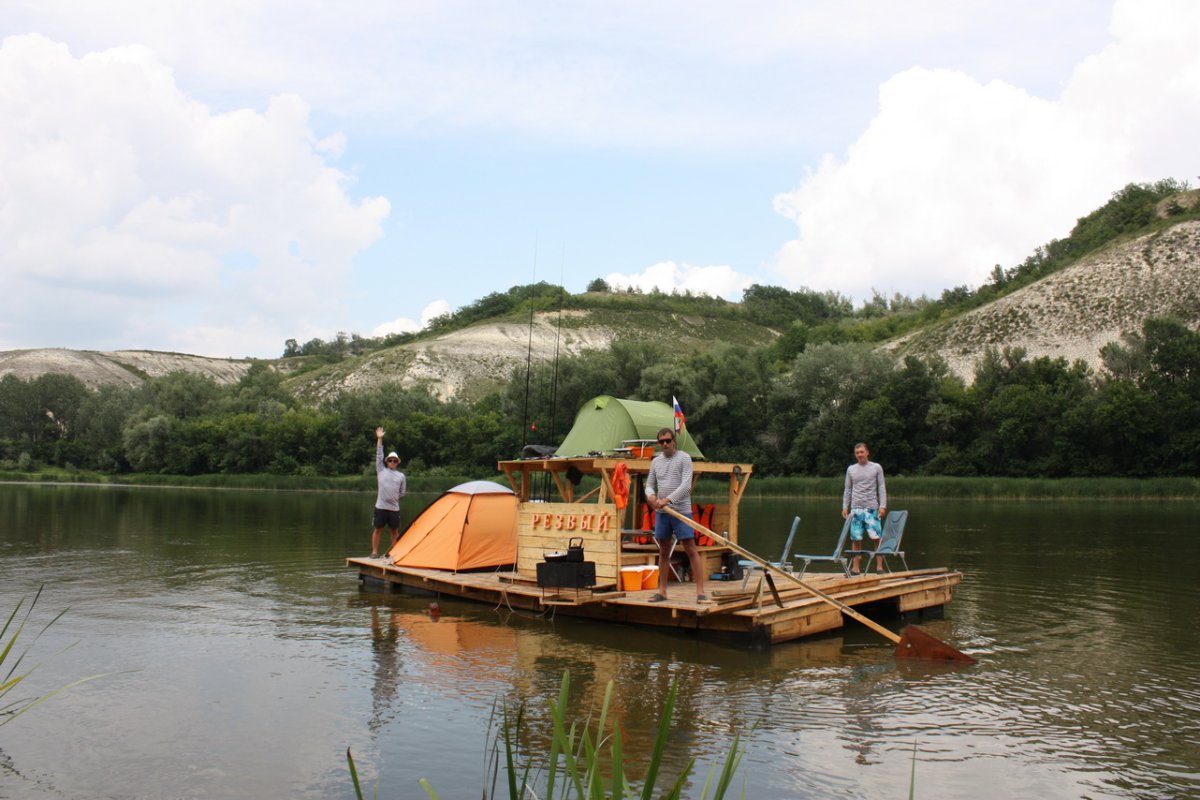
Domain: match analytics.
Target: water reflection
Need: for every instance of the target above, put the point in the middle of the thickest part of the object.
(258, 660)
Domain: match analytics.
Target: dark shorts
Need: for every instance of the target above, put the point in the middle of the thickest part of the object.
(665, 525)
(387, 519)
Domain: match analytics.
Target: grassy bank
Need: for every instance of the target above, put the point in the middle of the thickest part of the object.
(417, 484)
(991, 488)
(797, 487)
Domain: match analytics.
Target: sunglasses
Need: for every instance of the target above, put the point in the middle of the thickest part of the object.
(665, 441)
(393, 461)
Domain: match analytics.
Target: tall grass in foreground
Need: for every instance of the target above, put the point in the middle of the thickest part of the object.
(575, 765)
(11, 705)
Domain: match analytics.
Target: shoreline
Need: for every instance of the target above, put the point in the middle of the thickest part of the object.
(1174, 489)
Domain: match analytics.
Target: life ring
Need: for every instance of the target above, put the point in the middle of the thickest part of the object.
(620, 483)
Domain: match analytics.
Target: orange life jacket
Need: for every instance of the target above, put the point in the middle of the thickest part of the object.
(620, 482)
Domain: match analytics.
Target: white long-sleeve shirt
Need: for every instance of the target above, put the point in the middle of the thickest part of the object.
(865, 487)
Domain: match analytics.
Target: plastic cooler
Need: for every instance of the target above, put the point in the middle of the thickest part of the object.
(631, 578)
(649, 577)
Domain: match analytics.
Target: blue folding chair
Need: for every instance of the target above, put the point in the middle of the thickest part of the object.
(836, 556)
(747, 566)
(889, 541)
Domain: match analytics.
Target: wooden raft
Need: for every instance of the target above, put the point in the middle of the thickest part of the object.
(736, 609)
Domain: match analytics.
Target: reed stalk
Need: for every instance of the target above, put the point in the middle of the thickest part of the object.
(11, 660)
(574, 766)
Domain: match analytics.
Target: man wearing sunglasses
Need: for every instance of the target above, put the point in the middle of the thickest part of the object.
(670, 484)
(392, 486)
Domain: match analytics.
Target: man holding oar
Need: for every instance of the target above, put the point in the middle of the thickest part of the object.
(669, 484)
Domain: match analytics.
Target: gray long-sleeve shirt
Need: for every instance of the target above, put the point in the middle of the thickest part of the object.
(392, 484)
(864, 486)
(672, 478)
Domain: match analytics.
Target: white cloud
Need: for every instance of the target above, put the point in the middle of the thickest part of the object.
(953, 176)
(677, 73)
(140, 215)
(669, 277)
(405, 325)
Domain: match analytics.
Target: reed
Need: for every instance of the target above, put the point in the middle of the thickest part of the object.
(984, 488)
(11, 661)
(795, 486)
(583, 762)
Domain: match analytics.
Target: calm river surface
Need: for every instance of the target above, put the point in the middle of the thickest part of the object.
(245, 659)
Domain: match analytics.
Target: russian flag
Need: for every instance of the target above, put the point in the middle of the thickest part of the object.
(679, 418)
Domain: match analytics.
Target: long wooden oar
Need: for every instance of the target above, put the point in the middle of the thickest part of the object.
(915, 643)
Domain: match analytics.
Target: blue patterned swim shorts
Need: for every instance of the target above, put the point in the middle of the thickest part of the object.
(864, 519)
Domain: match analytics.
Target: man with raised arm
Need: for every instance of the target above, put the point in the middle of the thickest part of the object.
(392, 485)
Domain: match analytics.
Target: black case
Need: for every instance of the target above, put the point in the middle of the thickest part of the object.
(566, 574)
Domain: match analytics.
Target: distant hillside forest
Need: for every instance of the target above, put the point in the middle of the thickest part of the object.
(807, 317)
(795, 407)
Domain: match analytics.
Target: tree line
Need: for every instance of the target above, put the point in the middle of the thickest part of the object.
(1137, 416)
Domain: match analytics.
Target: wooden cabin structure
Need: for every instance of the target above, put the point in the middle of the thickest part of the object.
(555, 511)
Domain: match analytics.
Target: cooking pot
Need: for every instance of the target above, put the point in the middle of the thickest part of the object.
(573, 553)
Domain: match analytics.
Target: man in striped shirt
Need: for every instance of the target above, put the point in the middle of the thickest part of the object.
(670, 484)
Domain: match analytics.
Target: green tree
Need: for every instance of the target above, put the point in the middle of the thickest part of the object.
(812, 406)
(180, 395)
(103, 417)
(1022, 406)
(147, 442)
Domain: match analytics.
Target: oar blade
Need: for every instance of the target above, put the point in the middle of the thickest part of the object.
(916, 643)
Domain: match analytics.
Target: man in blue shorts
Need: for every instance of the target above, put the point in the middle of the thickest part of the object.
(864, 502)
(670, 484)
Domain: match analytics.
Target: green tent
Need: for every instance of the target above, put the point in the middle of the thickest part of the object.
(605, 423)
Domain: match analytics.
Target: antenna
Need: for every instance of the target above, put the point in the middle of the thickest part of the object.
(529, 355)
(557, 338)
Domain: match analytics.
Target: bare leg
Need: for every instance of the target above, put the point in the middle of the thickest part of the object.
(857, 559)
(395, 535)
(689, 547)
(664, 564)
(375, 542)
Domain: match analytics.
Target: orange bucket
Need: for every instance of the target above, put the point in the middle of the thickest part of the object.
(649, 577)
(631, 579)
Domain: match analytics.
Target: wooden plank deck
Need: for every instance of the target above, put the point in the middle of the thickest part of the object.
(731, 610)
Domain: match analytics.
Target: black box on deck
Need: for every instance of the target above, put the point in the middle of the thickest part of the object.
(566, 574)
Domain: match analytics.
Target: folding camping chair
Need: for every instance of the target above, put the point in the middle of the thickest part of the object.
(889, 541)
(747, 566)
(836, 556)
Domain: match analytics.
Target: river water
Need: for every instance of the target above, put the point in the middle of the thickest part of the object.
(239, 659)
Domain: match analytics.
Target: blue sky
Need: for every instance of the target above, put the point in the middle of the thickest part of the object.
(217, 177)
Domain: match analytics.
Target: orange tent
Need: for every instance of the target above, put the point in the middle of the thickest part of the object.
(472, 526)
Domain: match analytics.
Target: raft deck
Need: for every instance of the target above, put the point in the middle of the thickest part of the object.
(741, 608)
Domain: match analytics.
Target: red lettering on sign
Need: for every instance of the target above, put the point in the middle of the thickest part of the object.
(571, 521)
(536, 519)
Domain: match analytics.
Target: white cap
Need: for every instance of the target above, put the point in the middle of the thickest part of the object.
(392, 455)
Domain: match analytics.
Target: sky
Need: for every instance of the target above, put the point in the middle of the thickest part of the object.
(217, 177)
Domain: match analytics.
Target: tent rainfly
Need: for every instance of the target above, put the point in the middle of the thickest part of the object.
(472, 526)
(605, 422)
